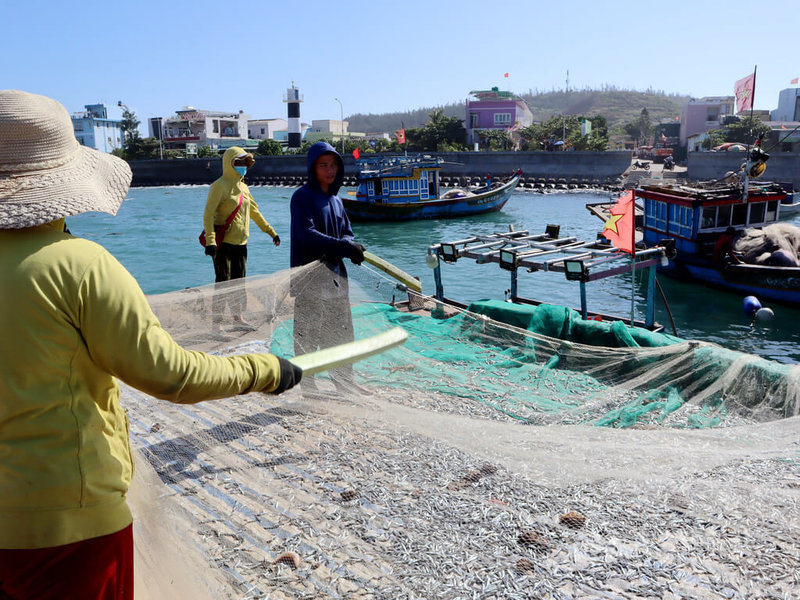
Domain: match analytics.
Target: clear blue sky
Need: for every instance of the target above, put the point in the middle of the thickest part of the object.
(383, 55)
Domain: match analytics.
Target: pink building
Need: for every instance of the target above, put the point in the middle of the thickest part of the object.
(493, 109)
(700, 116)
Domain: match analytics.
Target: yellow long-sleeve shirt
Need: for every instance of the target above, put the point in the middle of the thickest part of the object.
(223, 198)
(73, 320)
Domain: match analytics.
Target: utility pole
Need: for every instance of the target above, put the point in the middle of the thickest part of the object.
(341, 121)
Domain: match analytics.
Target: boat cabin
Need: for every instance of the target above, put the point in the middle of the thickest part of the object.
(695, 217)
(402, 179)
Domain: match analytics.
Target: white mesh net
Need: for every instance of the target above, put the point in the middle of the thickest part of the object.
(479, 460)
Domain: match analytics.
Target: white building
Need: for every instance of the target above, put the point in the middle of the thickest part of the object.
(329, 126)
(788, 106)
(265, 129)
(218, 130)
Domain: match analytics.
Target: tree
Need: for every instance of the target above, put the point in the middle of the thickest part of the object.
(130, 126)
(206, 152)
(641, 129)
(269, 148)
(566, 128)
(746, 130)
(440, 133)
(137, 148)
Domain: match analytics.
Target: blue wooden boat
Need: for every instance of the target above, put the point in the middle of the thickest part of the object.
(690, 220)
(404, 187)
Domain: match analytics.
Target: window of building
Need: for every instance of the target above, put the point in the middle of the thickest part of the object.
(502, 118)
(473, 120)
(216, 126)
(262, 131)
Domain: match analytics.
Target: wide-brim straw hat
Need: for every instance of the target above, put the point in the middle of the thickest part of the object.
(45, 174)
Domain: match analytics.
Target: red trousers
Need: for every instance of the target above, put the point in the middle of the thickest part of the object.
(96, 569)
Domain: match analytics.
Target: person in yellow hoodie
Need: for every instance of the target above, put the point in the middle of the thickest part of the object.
(73, 322)
(227, 195)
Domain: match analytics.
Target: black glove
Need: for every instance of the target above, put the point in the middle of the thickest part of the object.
(276, 240)
(357, 255)
(211, 250)
(291, 375)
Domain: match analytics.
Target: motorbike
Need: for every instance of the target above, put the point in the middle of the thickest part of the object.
(641, 165)
(669, 164)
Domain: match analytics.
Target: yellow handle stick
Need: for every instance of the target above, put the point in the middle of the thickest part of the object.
(343, 354)
(410, 282)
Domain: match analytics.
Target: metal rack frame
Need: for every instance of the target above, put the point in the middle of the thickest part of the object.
(579, 260)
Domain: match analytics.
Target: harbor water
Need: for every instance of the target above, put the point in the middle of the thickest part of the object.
(155, 236)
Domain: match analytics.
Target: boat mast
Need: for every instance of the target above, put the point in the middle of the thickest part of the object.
(746, 183)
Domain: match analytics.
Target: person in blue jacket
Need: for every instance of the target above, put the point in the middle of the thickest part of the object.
(320, 231)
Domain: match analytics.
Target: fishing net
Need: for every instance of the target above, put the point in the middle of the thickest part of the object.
(503, 451)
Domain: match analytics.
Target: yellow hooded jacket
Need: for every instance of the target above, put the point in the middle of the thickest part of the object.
(73, 321)
(223, 197)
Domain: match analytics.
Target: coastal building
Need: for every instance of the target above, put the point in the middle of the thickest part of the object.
(330, 129)
(494, 109)
(699, 116)
(788, 106)
(784, 136)
(155, 127)
(191, 128)
(94, 128)
(265, 129)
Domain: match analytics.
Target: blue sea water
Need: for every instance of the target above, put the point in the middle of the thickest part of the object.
(155, 234)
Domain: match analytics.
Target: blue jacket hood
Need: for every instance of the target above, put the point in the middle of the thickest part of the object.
(314, 153)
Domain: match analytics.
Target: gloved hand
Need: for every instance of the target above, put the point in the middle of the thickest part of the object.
(291, 375)
(211, 251)
(276, 240)
(357, 255)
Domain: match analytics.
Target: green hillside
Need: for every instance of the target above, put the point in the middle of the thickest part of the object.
(617, 106)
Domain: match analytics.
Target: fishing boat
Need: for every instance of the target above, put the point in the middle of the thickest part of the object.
(790, 206)
(690, 221)
(405, 187)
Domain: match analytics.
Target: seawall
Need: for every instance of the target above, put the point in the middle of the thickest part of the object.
(583, 167)
(702, 166)
(590, 168)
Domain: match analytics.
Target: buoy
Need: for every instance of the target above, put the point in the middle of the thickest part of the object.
(764, 315)
(751, 305)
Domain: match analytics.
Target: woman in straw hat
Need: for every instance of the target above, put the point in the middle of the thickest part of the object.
(73, 320)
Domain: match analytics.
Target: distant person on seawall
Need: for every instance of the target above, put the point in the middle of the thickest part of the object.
(74, 322)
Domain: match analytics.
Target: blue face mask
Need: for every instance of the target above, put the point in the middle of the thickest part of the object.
(240, 170)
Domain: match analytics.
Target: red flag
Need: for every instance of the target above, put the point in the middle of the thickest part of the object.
(795, 81)
(620, 225)
(401, 136)
(744, 89)
(356, 154)
(506, 75)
